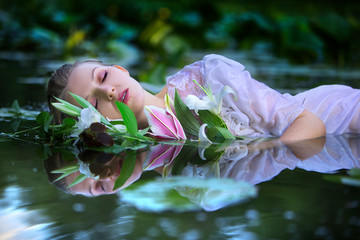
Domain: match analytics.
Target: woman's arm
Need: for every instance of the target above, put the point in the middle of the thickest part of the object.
(304, 137)
(309, 128)
(305, 126)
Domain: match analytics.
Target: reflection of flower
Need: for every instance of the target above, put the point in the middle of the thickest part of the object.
(210, 102)
(84, 168)
(87, 117)
(161, 155)
(164, 124)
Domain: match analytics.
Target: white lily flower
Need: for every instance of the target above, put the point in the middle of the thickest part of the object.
(84, 168)
(204, 142)
(210, 102)
(196, 104)
(202, 135)
(87, 117)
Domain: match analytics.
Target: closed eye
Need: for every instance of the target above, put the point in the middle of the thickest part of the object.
(96, 103)
(102, 187)
(105, 76)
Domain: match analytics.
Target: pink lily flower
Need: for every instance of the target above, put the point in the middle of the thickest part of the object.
(161, 155)
(164, 124)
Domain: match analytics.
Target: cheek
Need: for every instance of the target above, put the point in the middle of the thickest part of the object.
(109, 110)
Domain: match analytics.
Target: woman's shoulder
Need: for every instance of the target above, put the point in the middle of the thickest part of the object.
(213, 70)
(215, 60)
(183, 80)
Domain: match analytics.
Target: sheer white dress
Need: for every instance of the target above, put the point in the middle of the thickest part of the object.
(260, 111)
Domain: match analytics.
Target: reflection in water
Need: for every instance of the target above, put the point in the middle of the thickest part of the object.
(259, 165)
(243, 164)
(93, 174)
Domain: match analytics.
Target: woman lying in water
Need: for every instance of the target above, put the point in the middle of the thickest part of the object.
(257, 110)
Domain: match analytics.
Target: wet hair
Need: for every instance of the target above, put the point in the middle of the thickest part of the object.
(57, 84)
(52, 163)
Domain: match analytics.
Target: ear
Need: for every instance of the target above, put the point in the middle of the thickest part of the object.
(121, 68)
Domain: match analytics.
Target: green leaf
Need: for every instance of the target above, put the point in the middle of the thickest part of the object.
(77, 180)
(116, 122)
(44, 119)
(41, 118)
(15, 107)
(69, 105)
(143, 131)
(66, 171)
(63, 108)
(70, 168)
(126, 170)
(187, 152)
(354, 172)
(128, 117)
(63, 175)
(15, 124)
(69, 122)
(212, 153)
(219, 134)
(85, 104)
(187, 120)
(211, 119)
(226, 133)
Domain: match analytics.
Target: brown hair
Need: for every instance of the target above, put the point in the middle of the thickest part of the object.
(56, 86)
(55, 162)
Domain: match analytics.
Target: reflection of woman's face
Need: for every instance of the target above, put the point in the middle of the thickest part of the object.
(105, 183)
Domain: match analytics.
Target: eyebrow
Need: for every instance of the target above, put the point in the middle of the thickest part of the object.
(92, 73)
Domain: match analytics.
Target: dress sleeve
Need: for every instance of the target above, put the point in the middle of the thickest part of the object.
(257, 110)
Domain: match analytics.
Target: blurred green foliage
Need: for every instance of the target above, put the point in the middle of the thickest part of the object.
(302, 31)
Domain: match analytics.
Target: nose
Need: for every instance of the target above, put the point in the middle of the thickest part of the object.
(107, 92)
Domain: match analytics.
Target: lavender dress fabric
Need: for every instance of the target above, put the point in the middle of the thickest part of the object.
(258, 110)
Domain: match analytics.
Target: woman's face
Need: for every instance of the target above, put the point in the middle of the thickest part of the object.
(101, 85)
(105, 184)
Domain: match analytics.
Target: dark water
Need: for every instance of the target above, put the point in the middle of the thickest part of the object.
(294, 199)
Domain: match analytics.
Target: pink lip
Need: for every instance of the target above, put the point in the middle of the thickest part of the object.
(118, 169)
(124, 96)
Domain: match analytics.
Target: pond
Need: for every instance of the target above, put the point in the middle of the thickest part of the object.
(251, 192)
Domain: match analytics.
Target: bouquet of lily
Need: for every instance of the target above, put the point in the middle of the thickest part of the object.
(176, 122)
(208, 110)
(95, 130)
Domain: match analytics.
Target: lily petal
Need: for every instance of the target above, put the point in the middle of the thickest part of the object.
(179, 129)
(202, 135)
(169, 104)
(161, 155)
(218, 98)
(212, 103)
(196, 104)
(164, 124)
